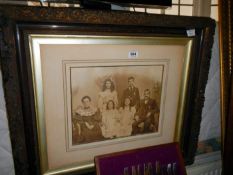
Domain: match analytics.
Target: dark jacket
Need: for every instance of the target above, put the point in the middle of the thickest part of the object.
(145, 108)
(133, 95)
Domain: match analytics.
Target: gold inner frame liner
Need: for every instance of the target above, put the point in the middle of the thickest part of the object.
(34, 45)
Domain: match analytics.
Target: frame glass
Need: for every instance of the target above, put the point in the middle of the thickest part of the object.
(64, 66)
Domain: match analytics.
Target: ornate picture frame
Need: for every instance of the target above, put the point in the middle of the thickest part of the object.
(23, 27)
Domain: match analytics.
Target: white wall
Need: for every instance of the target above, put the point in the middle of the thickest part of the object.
(210, 124)
(6, 161)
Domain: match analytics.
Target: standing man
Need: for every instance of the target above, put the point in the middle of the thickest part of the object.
(132, 93)
(146, 118)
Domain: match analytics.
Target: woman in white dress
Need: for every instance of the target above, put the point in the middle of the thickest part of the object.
(126, 118)
(110, 121)
(108, 93)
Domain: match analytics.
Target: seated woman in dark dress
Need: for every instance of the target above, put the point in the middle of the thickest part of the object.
(88, 118)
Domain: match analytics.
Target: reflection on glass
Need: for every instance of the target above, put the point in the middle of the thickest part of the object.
(155, 11)
(137, 9)
(155, 168)
(138, 170)
(214, 2)
(126, 171)
(134, 172)
(186, 10)
(214, 12)
(186, 2)
(174, 169)
(174, 1)
(169, 169)
(150, 169)
(172, 10)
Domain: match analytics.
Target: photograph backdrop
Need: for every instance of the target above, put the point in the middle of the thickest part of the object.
(89, 81)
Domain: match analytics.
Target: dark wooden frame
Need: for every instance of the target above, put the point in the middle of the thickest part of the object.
(16, 22)
(226, 52)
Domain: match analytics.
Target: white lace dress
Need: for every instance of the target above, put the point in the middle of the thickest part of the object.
(110, 123)
(126, 121)
(104, 97)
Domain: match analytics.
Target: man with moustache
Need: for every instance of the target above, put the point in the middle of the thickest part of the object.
(144, 120)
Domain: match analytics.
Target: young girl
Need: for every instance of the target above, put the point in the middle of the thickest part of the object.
(110, 121)
(108, 93)
(127, 115)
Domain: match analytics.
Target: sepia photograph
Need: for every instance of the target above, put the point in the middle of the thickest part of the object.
(110, 102)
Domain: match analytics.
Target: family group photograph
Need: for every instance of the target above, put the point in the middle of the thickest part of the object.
(114, 102)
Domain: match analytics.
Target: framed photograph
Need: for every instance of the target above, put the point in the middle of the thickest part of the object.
(81, 83)
(159, 159)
